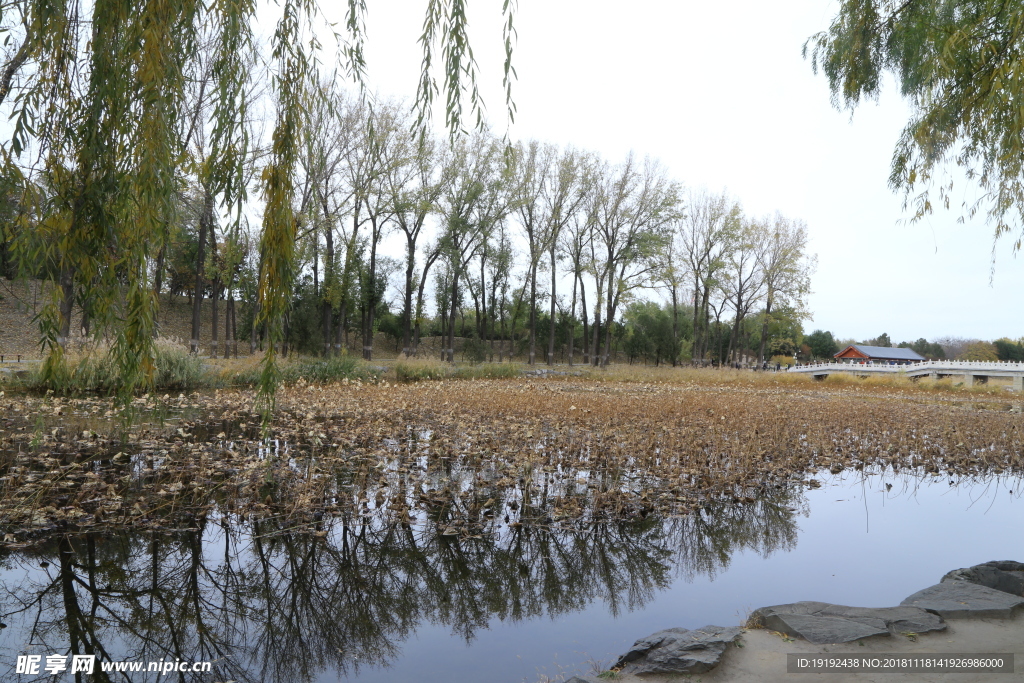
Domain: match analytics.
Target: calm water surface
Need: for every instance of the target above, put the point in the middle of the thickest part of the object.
(365, 602)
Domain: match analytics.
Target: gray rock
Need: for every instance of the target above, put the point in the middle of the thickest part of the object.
(1006, 565)
(962, 599)
(1005, 576)
(584, 679)
(820, 622)
(678, 650)
(824, 629)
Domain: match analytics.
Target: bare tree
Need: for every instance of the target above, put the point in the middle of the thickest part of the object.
(786, 270)
(635, 207)
(743, 279)
(475, 201)
(332, 123)
(707, 231)
(415, 179)
(576, 244)
(533, 162)
(672, 274)
(565, 198)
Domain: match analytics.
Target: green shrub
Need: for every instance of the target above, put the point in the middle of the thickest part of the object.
(324, 370)
(475, 350)
(95, 371)
(417, 369)
(314, 370)
(488, 371)
(176, 368)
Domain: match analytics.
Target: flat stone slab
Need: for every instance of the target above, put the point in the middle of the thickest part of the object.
(1006, 576)
(963, 599)
(678, 650)
(821, 622)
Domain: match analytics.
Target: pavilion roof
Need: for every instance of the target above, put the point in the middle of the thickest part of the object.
(881, 353)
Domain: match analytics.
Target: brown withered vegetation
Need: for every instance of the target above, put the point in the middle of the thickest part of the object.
(564, 451)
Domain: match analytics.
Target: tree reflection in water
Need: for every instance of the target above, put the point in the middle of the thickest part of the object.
(266, 603)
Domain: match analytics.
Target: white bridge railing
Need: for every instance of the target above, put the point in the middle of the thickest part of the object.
(938, 366)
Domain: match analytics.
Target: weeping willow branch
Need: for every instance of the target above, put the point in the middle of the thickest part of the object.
(277, 246)
(97, 93)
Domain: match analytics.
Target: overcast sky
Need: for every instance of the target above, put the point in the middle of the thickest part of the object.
(720, 94)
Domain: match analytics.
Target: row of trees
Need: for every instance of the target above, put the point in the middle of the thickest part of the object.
(820, 345)
(502, 236)
(505, 229)
(1003, 349)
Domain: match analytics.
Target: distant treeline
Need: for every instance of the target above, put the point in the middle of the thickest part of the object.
(820, 345)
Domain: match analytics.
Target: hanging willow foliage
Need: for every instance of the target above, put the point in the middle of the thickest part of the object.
(277, 245)
(99, 95)
(100, 109)
(960, 66)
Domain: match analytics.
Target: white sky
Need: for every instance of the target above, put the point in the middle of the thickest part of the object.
(720, 93)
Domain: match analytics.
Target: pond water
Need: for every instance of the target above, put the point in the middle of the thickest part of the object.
(362, 601)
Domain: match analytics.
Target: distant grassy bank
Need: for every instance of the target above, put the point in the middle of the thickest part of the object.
(93, 371)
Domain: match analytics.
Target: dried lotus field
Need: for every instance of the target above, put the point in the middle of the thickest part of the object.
(473, 457)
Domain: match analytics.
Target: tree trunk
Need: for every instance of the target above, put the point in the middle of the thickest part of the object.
(6, 267)
(205, 224)
(764, 327)
(229, 326)
(343, 323)
(326, 324)
(328, 290)
(586, 328)
(213, 331)
(718, 339)
(85, 322)
(284, 337)
(675, 325)
(493, 319)
(419, 301)
(608, 318)
(253, 332)
(451, 319)
(595, 344)
(734, 338)
(443, 315)
(551, 340)
(533, 315)
(410, 268)
(346, 275)
(501, 344)
(572, 320)
(706, 320)
(337, 336)
(482, 320)
(158, 281)
(66, 307)
(371, 299)
(316, 263)
(698, 328)
(13, 66)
